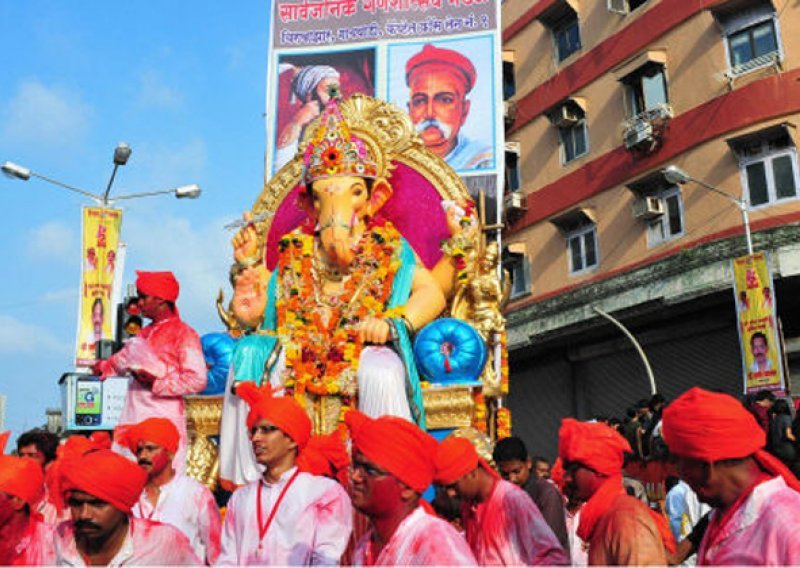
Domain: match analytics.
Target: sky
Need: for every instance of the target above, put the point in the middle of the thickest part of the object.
(184, 85)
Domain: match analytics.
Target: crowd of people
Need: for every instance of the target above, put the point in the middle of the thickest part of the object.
(355, 497)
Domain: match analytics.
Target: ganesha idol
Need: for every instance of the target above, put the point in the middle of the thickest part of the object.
(352, 248)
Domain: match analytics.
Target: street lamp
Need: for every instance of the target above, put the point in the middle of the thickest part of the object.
(121, 154)
(675, 175)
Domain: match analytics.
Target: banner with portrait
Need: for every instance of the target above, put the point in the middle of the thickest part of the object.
(758, 328)
(440, 60)
(100, 265)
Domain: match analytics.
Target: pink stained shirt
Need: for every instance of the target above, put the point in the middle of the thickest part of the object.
(312, 526)
(169, 350)
(763, 531)
(190, 507)
(36, 547)
(420, 540)
(149, 543)
(508, 529)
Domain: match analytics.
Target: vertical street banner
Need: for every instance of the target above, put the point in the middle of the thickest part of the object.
(439, 60)
(99, 259)
(758, 328)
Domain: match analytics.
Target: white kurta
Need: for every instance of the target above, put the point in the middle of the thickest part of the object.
(190, 507)
(312, 526)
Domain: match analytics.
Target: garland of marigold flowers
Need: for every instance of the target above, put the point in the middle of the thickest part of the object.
(322, 356)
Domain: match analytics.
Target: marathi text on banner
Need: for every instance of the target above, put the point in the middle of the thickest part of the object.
(758, 331)
(99, 254)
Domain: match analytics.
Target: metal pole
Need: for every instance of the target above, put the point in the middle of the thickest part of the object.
(110, 183)
(746, 221)
(636, 344)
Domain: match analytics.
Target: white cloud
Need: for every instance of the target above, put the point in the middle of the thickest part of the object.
(155, 92)
(199, 256)
(65, 295)
(44, 115)
(168, 167)
(18, 337)
(54, 240)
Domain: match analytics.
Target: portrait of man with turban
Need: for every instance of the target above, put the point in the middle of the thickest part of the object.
(303, 84)
(445, 93)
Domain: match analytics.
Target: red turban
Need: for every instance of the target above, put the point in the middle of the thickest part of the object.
(282, 411)
(396, 445)
(22, 477)
(325, 455)
(105, 475)
(159, 284)
(710, 426)
(101, 439)
(455, 458)
(160, 431)
(592, 444)
(451, 60)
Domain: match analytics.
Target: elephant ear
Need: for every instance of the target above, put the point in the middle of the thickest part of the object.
(381, 192)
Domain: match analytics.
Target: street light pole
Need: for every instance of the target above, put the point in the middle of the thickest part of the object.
(121, 154)
(674, 174)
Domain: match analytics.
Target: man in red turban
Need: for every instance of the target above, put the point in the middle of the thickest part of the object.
(392, 466)
(171, 497)
(619, 529)
(288, 516)
(24, 538)
(439, 81)
(720, 453)
(165, 360)
(502, 523)
(101, 487)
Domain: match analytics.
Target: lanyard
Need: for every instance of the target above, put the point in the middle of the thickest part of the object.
(263, 528)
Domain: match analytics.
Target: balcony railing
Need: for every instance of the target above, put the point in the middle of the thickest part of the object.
(659, 112)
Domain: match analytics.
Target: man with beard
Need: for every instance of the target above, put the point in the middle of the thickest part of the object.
(439, 81)
(101, 487)
(24, 539)
(392, 465)
(168, 497)
(720, 453)
(289, 516)
(502, 524)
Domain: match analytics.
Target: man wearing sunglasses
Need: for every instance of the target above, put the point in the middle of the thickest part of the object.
(165, 360)
(619, 529)
(392, 465)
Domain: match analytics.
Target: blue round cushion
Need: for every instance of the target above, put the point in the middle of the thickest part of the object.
(450, 351)
(218, 351)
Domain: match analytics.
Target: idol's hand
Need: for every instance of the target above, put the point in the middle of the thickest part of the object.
(374, 330)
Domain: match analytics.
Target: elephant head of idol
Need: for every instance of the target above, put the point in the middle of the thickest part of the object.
(343, 185)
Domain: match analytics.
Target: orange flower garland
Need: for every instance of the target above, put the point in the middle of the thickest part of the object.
(323, 347)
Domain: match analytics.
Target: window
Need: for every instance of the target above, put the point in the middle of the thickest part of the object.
(769, 171)
(646, 89)
(624, 6)
(509, 81)
(570, 119)
(518, 267)
(574, 140)
(582, 246)
(513, 180)
(669, 225)
(562, 21)
(567, 37)
(751, 35)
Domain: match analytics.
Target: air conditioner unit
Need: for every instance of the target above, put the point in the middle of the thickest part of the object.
(514, 202)
(639, 134)
(566, 116)
(648, 207)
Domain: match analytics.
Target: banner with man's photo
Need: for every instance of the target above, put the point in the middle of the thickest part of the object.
(98, 296)
(439, 60)
(759, 337)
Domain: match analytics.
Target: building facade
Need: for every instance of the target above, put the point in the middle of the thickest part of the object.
(606, 95)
